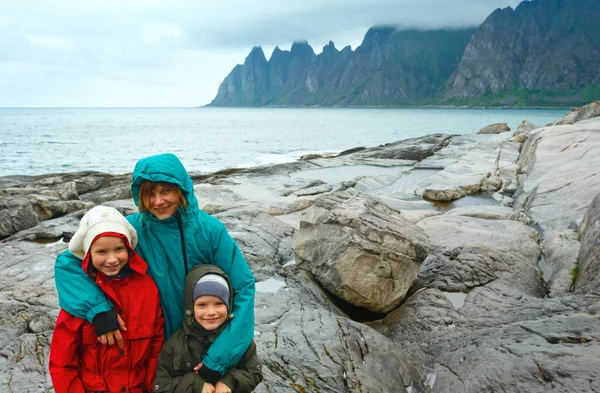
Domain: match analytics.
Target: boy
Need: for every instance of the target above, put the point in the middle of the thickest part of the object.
(207, 301)
(105, 243)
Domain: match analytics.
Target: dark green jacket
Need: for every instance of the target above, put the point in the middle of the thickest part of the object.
(185, 349)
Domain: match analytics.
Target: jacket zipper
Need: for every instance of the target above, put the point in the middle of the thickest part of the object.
(180, 224)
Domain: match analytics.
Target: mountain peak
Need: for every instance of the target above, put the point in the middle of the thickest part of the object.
(302, 48)
(330, 47)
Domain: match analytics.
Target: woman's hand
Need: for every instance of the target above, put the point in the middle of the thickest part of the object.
(222, 388)
(208, 388)
(198, 367)
(110, 337)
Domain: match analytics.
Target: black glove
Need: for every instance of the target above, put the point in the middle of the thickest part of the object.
(209, 375)
(105, 322)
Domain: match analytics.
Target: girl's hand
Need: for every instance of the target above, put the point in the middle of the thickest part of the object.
(208, 388)
(115, 336)
(222, 388)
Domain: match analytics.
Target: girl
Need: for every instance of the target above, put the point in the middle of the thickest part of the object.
(174, 236)
(78, 362)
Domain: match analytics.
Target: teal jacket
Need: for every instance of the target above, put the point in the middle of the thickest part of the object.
(205, 240)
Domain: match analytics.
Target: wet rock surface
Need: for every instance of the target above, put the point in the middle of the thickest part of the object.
(475, 313)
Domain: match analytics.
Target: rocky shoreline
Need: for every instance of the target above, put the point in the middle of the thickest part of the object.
(414, 266)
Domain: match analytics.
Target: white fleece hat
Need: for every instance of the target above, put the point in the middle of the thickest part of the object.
(98, 220)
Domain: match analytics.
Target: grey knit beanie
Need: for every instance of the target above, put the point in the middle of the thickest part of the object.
(213, 285)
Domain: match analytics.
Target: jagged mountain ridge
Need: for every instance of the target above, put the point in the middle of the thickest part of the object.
(544, 52)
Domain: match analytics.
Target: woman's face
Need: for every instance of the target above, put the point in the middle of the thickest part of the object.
(163, 201)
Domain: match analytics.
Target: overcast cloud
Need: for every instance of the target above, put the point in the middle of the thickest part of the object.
(176, 53)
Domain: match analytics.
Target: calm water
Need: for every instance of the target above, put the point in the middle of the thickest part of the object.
(38, 141)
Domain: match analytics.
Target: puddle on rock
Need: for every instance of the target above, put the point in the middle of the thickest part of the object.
(456, 298)
(271, 285)
(483, 199)
(339, 174)
(546, 269)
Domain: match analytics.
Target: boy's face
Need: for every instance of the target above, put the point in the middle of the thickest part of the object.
(210, 311)
(109, 255)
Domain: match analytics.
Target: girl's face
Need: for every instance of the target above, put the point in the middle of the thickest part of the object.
(164, 201)
(109, 254)
(210, 311)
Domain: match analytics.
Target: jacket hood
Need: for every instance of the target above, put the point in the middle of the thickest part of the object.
(190, 325)
(164, 168)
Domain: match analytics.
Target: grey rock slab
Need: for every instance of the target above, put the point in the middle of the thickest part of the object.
(319, 189)
(468, 252)
(16, 214)
(490, 157)
(588, 263)
(458, 145)
(414, 149)
(560, 166)
(265, 241)
(361, 250)
(500, 340)
(28, 308)
(490, 213)
(307, 348)
(560, 254)
(48, 207)
(108, 194)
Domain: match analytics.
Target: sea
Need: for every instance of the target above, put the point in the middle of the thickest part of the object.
(36, 141)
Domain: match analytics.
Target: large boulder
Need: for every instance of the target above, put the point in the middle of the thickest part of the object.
(524, 130)
(16, 214)
(496, 128)
(582, 113)
(361, 251)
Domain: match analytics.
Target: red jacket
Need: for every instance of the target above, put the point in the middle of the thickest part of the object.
(79, 363)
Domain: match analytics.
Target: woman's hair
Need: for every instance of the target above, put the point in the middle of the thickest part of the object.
(146, 189)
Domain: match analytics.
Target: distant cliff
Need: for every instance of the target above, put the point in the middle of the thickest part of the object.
(544, 52)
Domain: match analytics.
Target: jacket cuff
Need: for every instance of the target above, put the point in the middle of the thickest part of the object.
(103, 307)
(105, 322)
(210, 376)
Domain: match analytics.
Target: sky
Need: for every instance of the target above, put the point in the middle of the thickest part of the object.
(175, 53)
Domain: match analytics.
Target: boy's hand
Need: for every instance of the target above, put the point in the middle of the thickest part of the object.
(208, 388)
(222, 388)
(110, 337)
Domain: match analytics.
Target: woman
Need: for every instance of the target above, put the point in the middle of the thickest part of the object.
(174, 236)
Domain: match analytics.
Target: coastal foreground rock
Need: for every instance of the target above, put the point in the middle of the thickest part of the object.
(490, 283)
